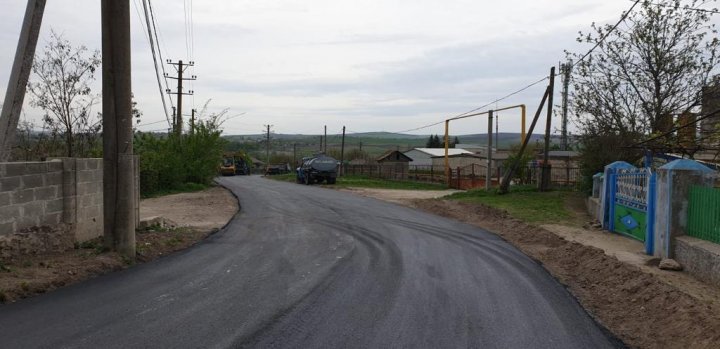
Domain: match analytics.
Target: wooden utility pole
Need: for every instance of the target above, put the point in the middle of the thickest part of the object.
(507, 177)
(544, 184)
(192, 121)
(118, 159)
(180, 67)
(19, 76)
(488, 173)
(342, 151)
(325, 145)
(267, 146)
(566, 70)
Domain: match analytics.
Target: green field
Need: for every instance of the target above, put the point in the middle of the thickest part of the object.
(373, 143)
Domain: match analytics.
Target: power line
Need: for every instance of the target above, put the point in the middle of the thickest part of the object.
(151, 123)
(675, 129)
(688, 8)
(602, 39)
(155, 62)
(159, 45)
(478, 108)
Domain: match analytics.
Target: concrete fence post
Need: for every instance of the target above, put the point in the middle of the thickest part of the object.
(69, 190)
(674, 181)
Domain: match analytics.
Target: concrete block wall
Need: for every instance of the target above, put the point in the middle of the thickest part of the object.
(88, 199)
(63, 193)
(31, 195)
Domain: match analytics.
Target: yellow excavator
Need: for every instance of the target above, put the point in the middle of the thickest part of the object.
(234, 164)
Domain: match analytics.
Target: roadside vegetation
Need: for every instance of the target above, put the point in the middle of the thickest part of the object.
(171, 163)
(366, 182)
(525, 203)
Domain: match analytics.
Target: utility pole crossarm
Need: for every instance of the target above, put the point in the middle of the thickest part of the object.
(180, 67)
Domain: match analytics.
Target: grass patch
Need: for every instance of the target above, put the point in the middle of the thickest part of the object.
(285, 177)
(183, 188)
(367, 182)
(525, 203)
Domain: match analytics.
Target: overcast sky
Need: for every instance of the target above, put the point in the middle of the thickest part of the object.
(371, 65)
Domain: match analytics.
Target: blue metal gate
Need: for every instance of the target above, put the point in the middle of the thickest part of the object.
(632, 205)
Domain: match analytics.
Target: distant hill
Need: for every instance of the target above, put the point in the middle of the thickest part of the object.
(374, 143)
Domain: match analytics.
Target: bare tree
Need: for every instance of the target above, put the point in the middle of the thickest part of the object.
(61, 88)
(651, 67)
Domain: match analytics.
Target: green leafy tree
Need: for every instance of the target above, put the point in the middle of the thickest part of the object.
(654, 67)
(651, 67)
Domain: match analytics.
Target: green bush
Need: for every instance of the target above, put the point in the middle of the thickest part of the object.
(171, 163)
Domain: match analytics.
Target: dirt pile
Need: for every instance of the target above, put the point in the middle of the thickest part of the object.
(636, 306)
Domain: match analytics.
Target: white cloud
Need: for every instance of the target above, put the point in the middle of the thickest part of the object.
(370, 65)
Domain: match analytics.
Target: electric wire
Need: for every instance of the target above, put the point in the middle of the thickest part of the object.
(155, 62)
(688, 8)
(159, 46)
(602, 39)
(478, 108)
(675, 129)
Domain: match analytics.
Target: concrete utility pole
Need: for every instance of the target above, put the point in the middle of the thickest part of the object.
(180, 67)
(342, 151)
(488, 173)
(118, 159)
(267, 145)
(566, 70)
(19, 76)
(544, 184)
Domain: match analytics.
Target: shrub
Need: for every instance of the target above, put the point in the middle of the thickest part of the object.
(169, 163)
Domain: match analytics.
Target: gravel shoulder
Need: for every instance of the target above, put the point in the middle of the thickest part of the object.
(203, 210)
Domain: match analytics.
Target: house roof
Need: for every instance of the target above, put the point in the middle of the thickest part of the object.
(563, 153)
(441, 151)
(461, 155)
(496, 156)
(394, 155)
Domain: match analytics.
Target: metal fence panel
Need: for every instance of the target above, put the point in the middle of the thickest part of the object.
(704, 213)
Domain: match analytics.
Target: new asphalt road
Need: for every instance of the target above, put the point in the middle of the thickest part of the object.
(307, 267)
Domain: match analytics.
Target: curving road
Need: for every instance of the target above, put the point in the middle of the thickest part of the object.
(306, 267)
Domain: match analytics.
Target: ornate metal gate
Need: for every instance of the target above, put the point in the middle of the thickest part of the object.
(632, 212)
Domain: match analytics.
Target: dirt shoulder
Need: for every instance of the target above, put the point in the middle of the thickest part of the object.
(400, 196)
(642, 308)
(203, 210)
(190, 216)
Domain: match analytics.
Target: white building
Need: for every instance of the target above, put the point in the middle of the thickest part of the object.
(423, 156)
